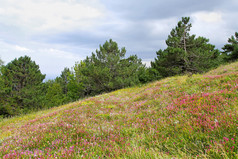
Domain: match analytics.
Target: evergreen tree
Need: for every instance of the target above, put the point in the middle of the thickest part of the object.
(108, 69)
(231, 50)
(105, 64)
(54, 95)
(63, 80)
(57, 90)
(1, 79)
(77, 82)
(3, 109)
(128, 71)
(185, 53)
(23, 85)
(1, 62)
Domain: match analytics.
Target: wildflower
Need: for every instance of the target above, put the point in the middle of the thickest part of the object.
(225, 138)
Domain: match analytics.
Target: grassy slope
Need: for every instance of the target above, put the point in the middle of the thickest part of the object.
(184, 117)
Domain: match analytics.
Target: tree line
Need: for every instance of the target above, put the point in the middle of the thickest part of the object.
(22, 88)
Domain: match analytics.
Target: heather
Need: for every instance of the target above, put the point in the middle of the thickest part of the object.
(177, 117)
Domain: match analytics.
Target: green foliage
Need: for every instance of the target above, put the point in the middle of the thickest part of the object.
(185, 53)
(104, 71)
(231, 50)
(76, 82)
(1, 79)
(177, 117)
(22, 82)
(104, 66)
(1, 62)
(54, 95)
(58, 91)
(63, 80)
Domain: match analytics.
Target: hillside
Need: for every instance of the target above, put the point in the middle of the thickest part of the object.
(182, 117)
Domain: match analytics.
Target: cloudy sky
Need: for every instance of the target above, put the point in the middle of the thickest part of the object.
(57, 33)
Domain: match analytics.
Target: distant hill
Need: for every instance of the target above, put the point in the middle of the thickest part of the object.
(180, 117)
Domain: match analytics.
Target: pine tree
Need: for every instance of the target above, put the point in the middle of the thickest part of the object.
(63, 80)
(54, 95)
(1, 62)
(23, 82)
(231, 50)
(77, 82)
(108, 69)
(1, 79)
(185, 53)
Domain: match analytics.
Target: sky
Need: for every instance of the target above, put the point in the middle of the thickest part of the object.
(58, 33)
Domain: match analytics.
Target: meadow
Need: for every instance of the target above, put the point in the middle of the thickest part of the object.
(178, 117)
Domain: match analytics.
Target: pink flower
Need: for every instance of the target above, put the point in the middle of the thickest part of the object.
(225, 138)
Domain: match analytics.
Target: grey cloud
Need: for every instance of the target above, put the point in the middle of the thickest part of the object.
(74, 38)
(11, 34)
(155, 9)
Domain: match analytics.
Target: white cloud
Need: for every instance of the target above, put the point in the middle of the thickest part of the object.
(208, 17)
(147, 62)
(23, 49)
(211, 25)
(50, 14)
(161, 26)
(55, 53)
(51, 60)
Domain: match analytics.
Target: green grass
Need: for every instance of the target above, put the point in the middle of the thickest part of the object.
(177, 117)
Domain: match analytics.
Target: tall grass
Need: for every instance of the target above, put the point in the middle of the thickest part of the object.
(177, 117)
